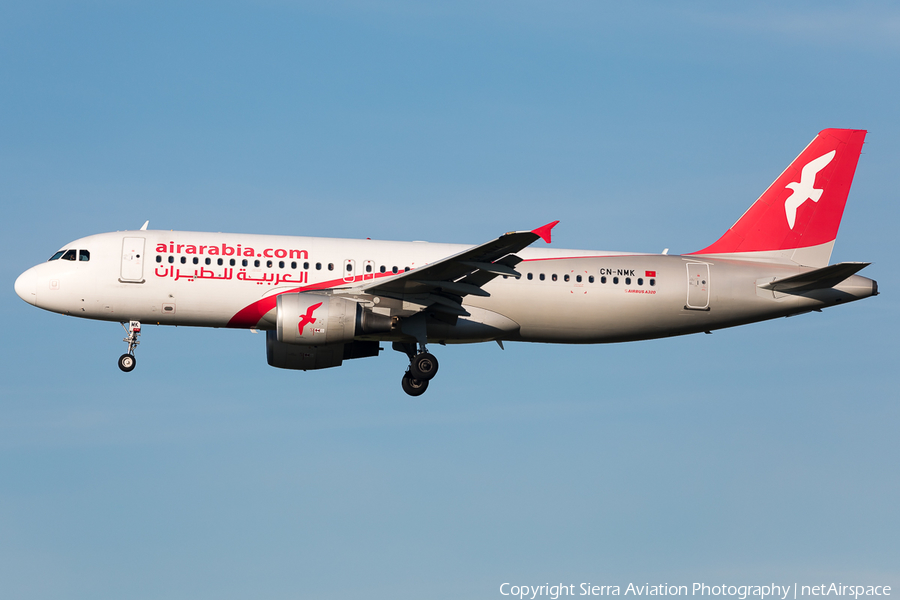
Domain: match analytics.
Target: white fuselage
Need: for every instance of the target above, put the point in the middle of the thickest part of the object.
(563, 296)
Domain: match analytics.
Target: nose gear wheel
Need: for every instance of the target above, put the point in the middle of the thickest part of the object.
(127, 362)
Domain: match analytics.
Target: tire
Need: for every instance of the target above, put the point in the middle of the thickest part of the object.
(414, 387)
(127, 362)
(423, 366)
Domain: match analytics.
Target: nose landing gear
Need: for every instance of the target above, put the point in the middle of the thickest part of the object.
(422, 368)
(127, 362)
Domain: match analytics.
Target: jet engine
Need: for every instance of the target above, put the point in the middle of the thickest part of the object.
(319, 320)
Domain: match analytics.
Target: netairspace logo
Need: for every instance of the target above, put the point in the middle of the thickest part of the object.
(741, 592)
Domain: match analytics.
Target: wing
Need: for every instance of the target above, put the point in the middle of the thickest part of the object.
(444, 283)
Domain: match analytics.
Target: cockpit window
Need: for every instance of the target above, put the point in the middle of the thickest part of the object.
(57, 255)
(84, 255)
(69, 255)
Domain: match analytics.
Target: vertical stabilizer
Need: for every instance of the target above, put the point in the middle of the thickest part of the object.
(797, 218)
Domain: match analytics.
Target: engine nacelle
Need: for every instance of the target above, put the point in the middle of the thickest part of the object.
(318, 320)
(309, 358)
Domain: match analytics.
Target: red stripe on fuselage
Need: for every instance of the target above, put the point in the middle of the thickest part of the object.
(249, 316)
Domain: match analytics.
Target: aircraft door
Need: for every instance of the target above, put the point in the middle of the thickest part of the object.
(698, 286)
(132, 260)
(349, 270)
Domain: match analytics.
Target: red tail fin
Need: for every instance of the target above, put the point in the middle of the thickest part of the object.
(798, 217)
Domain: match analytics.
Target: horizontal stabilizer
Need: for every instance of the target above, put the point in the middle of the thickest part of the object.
(824, 278)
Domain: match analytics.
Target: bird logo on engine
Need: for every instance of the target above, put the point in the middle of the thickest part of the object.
(308, 318)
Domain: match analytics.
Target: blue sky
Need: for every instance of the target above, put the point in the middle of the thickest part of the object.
(758, 454)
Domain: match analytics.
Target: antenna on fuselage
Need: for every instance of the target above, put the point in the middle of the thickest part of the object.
(665, 251)
(144, 226)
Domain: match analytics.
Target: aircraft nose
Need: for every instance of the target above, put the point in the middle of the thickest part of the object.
(26, 286)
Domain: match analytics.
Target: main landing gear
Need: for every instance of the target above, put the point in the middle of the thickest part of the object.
(127, 362)
(422, 368)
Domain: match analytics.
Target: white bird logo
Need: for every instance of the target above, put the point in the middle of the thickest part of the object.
(803, 189)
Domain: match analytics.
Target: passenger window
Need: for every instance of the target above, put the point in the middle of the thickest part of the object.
(84, 255)
(553, 277)
(565, 277)
(220, 262)
(268, 264)
(293, 264)
(640, 281)
(208, 261)
(183, 260)
(382, 268)
(542, 277)
(368, 268)
(318, 266)
(197, 261)
(256, 263)
(616, 280)
(628, 281)
(280, 264)
(244, 262)
(231, 262)
(69, 255)
(405, 269)
(530, 277)
(171, 259)
(331, 266)
(61, 252)
(578, 278)
(349, 267)
(603, 279)
(591, 279)
(394, 269)
(652, 282)
(306, 266)
(158, 258)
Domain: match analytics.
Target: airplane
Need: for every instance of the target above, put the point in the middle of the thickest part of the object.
(322, 301)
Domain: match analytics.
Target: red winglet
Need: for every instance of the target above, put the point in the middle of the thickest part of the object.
(544, 232)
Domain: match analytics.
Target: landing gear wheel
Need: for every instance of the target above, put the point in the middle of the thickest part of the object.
(127, 362)
(423, 366)
(414, 387)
